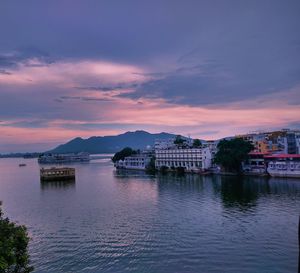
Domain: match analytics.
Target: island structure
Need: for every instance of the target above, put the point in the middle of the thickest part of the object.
(49, 158)
(57, 174)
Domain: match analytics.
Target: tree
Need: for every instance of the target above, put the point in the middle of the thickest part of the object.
(14, 257)
(179, 140)
(231, 154)
(150, 168)
(197, 143)
(123, 153)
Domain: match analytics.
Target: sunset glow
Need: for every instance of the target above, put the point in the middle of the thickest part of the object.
(208, 89)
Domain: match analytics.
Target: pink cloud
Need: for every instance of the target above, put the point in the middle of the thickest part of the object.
(71, 73)
(67, 111)
(156, 116)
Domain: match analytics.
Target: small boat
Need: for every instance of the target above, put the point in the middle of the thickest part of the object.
(22, 165)
(57, 174)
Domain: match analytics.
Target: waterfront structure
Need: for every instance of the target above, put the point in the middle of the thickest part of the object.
(189, 158)
(57, 174)
(212, 145)
(283, 165)
(63, 158)
(135, 162)
(283, 141)
(255, 163)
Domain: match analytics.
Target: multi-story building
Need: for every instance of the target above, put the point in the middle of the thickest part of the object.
(164, 143)
(284, 141)
(212, 145)
(255, 164)
(189, 158)
(293, 142)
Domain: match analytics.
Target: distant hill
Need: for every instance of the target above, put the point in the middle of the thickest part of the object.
(110, 144)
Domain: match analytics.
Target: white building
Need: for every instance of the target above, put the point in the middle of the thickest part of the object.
(191, 159)
(212, 145)
(164, 143)
(134, 162)
(283, 165)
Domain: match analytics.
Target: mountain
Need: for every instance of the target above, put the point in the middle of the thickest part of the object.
(111, 144)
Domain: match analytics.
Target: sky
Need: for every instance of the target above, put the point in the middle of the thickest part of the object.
(203, 68)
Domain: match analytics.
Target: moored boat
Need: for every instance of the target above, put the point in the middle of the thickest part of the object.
(57, 174)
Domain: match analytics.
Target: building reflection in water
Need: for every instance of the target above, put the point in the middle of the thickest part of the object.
(242, 192)
(183, 183)
(55, 185)
(136, 185)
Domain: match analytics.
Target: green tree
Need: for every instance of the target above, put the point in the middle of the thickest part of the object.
(231, 154)
(150, 168)
(197, 143)
(179, 140)
(123, 153)
(14, 257)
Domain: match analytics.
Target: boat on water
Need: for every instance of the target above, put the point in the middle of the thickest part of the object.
(57, 174)
(283, 165)
(22, 165)
(63, 158)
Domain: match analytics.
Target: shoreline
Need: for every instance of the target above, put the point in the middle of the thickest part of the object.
(209, 173)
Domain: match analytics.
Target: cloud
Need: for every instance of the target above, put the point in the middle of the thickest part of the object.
(25, 123)
(83, 98)
(208, 68)
(229, 78)
(2, 71)
(28, 56)
(106, 88)
(70, 73)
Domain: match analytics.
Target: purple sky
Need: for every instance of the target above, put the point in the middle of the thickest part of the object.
(204, 68)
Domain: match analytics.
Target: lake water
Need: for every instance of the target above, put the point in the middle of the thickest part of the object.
(109, 221)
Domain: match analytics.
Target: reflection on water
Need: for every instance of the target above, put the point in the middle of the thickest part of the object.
(238, 191)
(234, 190)
(128, 221)
(64, 184)
(123, 174)
(137, 185)
(189, 182)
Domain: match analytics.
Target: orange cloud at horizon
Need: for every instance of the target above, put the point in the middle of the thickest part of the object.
(156, 116)
(71, 112)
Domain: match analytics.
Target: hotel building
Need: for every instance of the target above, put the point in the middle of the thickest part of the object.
(189, 158)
